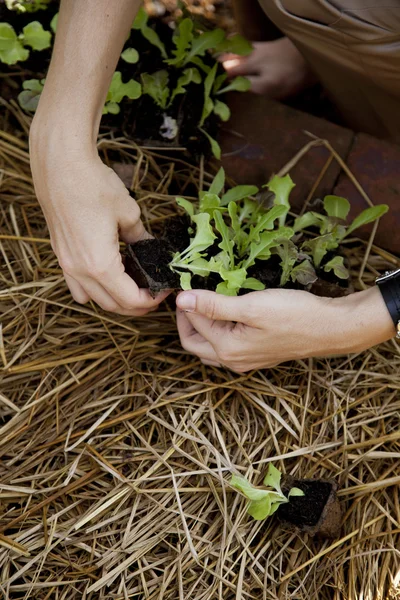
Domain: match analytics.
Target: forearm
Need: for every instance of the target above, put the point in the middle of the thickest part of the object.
(90, 36)
(359, 321)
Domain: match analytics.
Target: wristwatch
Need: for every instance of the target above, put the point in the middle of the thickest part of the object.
(389, 285)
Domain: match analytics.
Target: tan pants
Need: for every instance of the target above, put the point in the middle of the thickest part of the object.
(353, 46)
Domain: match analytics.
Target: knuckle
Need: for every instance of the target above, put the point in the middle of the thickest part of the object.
(240, 368)
(96, 271)
(109, 306)
(185, 345)
(210, 309)
(225, 356)
(67, 265)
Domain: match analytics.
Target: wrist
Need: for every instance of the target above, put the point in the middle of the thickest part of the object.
(60, 136)
(359, 321)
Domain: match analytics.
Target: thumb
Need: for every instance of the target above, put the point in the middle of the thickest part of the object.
(213, 306)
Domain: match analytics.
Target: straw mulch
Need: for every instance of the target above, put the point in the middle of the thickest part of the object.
(218, 12)
(116, 445)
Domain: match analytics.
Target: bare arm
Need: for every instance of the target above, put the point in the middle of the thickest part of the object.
(85, 204)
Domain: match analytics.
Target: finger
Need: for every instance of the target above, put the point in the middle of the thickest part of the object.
(244, 66)
(192, 341)
(77, 291)
(126, 293)
(211, 363)
(215, 307)
(97, 293)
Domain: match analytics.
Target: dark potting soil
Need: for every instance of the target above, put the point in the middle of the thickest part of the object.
(176, 233)
(147, 263)
(268, 272)
(306, 511)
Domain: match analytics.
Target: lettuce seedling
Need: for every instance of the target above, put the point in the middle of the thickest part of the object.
(264, 503)
(238, 231)
(119, 90)
(130, 55)
(233, 233)
(157, 85)
(147, 32)
(30, 96)
(191, 46)
(13, 47)
(334, 230)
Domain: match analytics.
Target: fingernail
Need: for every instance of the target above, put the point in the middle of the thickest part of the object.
(187, 302)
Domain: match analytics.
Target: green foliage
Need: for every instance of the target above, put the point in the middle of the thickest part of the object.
(334, 229)
(189, 75)
(119, 90)
(30, 96)
(337, 207)
(12, 47)
(236, 44)
(239, 231)
(54, 23)
(35, 36)
(264, 503)
(241, 235)
(215, 147)
(239, 84)
(337, 266)
(27, 5)
(130, 55)
(281, 187)
(156, 86)
(148, 33)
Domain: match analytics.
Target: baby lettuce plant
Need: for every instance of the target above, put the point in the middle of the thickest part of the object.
(237, 232)
(30, 96)
(233, 232)
(334, 229)
(264, 502)
(157, 85)
(15, 48)
(190, 48)
(119, 90)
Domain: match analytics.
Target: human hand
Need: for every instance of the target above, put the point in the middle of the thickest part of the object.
(264, 329)
(87, 209)
(276, 69)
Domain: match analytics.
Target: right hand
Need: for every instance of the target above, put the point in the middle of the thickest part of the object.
(87, 209)
(276, 69)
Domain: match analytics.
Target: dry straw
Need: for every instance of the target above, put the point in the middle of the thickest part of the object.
(116, 445)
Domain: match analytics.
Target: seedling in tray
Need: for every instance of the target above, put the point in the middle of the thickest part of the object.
(306, 505)
(236, 244)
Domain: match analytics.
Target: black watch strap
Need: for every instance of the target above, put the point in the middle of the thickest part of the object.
(389, 285)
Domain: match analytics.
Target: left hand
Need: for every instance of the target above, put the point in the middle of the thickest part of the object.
(264, 329)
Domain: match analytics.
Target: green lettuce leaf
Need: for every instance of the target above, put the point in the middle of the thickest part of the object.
(281, 187)
(239, 84)
(337, 266)
(338, 207)
(11, 49)
(148, 33)
(156, 86)
(130, 55)
(35, 36)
